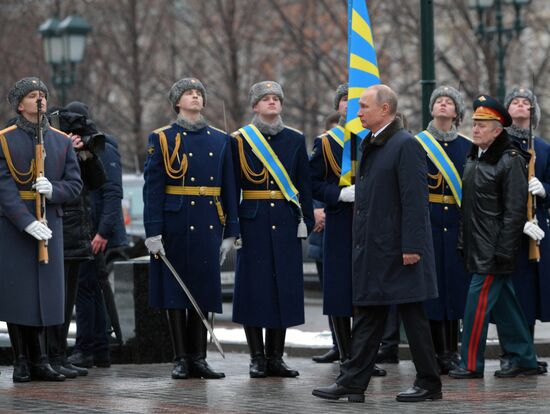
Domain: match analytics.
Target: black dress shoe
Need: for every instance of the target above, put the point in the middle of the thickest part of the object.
(81, 360)
(21, 371)
(45, 372)
(378, 372)
(384, 357)
(258, 367)
(199, 368)
(331, 356)
(278, 368)
(81, 372)
(336, 391)
(516, 371)
(417, 394)
(180, 370)
(461, 373)
(69, 373)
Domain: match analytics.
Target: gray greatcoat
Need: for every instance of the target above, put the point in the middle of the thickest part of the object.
(32, 293)
(392, 218)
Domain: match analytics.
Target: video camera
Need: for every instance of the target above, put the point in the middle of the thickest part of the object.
(71, 122)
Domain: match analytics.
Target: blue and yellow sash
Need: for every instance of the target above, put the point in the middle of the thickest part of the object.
(443, 163)
(337, 134)
(269, 159)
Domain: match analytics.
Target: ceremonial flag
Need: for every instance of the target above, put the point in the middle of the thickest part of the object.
(362, 72)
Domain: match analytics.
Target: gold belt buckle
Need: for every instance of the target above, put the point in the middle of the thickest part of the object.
(202, 190)
(272, 194)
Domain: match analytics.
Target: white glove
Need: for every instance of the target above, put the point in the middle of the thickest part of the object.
(43, 186)
(536, 187)
(39, 230)
(347, 195)
(154, 245)
(227, 245)
(533, 230)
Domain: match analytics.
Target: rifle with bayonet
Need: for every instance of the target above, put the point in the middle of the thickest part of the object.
(534, 251)
(40, 199)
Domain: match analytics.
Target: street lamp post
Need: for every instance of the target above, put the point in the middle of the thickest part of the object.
(64, 43)
(484, 7)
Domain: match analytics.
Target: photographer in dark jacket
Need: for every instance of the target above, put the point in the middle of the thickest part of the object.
(494, 208)
(92, 342)
(77, 228)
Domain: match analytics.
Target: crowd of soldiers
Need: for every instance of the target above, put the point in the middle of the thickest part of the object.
(431, 224)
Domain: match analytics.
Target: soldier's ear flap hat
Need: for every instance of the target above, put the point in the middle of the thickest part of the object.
(341, 91)
(487, 108)
(183, 85)
(454, 94)
(22, 88)
(520, 92)
(261, 89)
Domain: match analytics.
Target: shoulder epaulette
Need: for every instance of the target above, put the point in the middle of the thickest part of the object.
(8, 129)
(156, 131)
(294, 129)
(217, 129)
(59, 131)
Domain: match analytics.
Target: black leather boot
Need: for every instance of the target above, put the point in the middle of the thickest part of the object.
(439, 340)
(274, 349)
(21, 370)
(342, 332)
(40, 366)
(258, 363)
(328, 357)
(198, 367)
(177, 323)
(56, 350)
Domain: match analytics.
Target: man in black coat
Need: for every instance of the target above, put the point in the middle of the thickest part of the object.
(393, 260)
(494, 203)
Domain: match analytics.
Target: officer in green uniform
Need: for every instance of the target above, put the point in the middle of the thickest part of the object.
(493, 215)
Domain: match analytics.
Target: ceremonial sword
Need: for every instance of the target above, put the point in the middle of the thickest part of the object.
(193, 302)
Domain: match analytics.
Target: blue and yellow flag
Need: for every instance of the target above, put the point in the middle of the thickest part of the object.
(362, 73)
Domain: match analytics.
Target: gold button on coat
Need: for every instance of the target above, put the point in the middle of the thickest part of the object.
(211, 154)
(191, 228)
(192, 203)
(273, 227)
(192, 178)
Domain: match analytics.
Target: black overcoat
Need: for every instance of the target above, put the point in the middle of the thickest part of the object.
(392, 218)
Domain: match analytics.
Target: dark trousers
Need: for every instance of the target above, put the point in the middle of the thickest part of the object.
(91, 317)
(57, 334)
(368, 328)
(391, 338)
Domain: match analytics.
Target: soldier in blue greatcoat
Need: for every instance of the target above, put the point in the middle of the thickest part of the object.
(32, 293)
(532, 279)
(444, 312)
(269, 291)
(191, 216)
(325, 168)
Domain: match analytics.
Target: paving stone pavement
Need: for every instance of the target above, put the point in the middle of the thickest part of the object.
(149, 389)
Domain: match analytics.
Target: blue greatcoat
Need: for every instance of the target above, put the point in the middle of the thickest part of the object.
(32, 293)
(531, 279)
(452, 279)
(269, 282)
(190, 225)
(338, 230)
